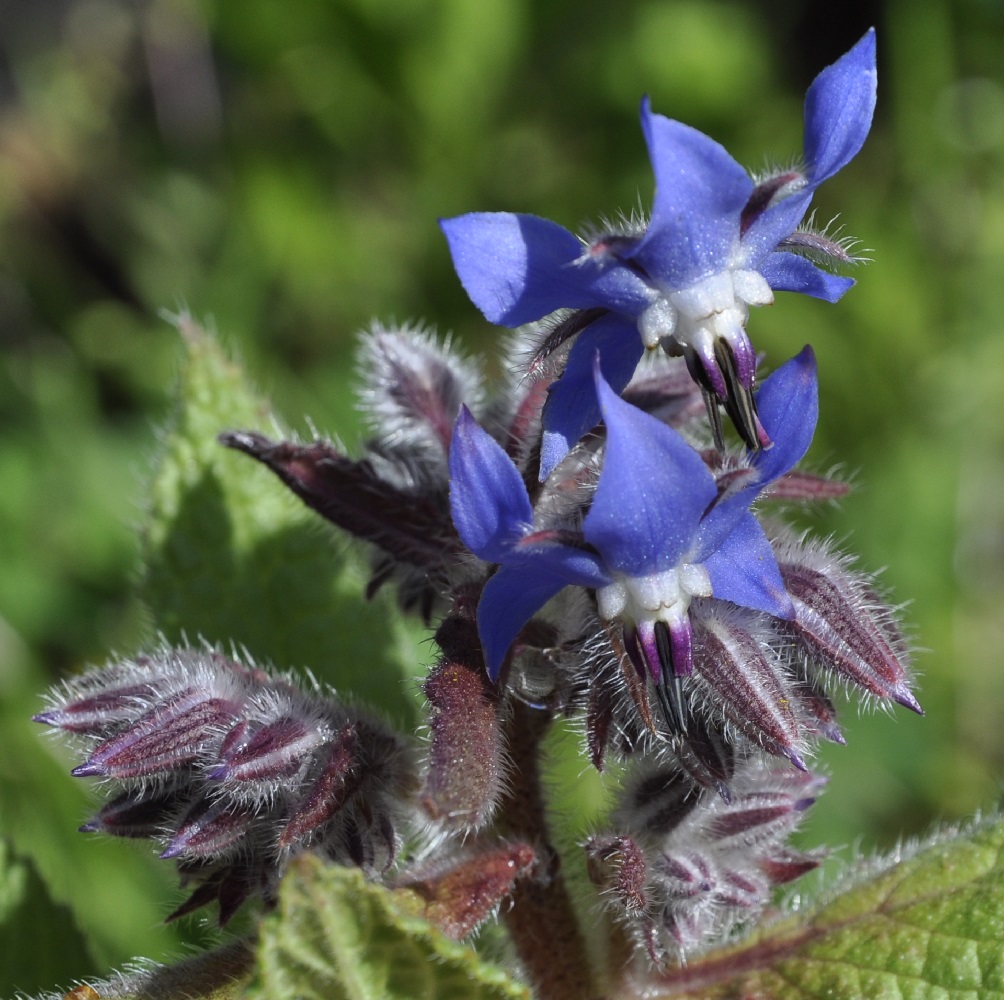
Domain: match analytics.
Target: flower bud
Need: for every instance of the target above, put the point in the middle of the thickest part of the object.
(234, 770)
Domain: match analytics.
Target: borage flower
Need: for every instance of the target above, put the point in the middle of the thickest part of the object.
(659, 531)
(717, 243)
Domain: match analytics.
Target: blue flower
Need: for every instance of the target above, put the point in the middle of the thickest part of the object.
(716, 243)
(658, 531)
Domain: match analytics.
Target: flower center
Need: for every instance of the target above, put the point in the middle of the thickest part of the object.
(706, 324)
(714, 307)
(663, 596)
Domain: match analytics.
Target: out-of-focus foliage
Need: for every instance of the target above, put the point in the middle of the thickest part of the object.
(32, 924)
(279, 167)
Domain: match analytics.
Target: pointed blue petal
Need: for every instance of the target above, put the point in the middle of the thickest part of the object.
(490, 506)
(700, 192)
(652, 490)
(838, 110)
(788, 272)
(838, 113)
(518, 268)
(572, 409)
(510, 599)
(788, 404)
(743, 570)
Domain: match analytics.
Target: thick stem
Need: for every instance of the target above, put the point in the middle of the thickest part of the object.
(541, 921)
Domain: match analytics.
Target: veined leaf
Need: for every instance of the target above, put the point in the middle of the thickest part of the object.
(929, 926)
(232, 558)
(337, 936)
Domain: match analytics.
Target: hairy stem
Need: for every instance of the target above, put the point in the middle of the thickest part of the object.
(541, 921)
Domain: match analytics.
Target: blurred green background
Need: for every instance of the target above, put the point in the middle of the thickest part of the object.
(278, 168)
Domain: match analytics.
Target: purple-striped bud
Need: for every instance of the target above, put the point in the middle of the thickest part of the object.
(412, 389)
(735, 659)
(684, 864)
(169, 737)
(234, 771)
(337, 780)
(817, 709)
(100, 712)
(275, 751)
(135, 815)
(841, 623)
(210, 829)
(806, 487)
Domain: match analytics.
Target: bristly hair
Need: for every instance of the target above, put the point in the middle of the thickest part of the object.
(233, 769)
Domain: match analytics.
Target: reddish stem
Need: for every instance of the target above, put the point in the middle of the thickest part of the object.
(541, 921)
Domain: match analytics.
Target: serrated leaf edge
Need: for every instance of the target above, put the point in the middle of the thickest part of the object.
(794, 928)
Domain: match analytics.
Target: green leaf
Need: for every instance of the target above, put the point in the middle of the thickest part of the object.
(39, 941)
(335, 936)
(930, 926)
(233, 558)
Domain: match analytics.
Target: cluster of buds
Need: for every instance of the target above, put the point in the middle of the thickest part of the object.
(589, 544)
(233, 770)
(685, 866)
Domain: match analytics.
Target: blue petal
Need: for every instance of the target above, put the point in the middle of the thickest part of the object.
(575, 565)
(572, 409)
(743, 570)
(788, 404)
(518, 268)
(652, 490)
(700, 192)
(838, 113)
(838, 110)
(788, 272)
(772, 225)
(490, 506)
(510, 599)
